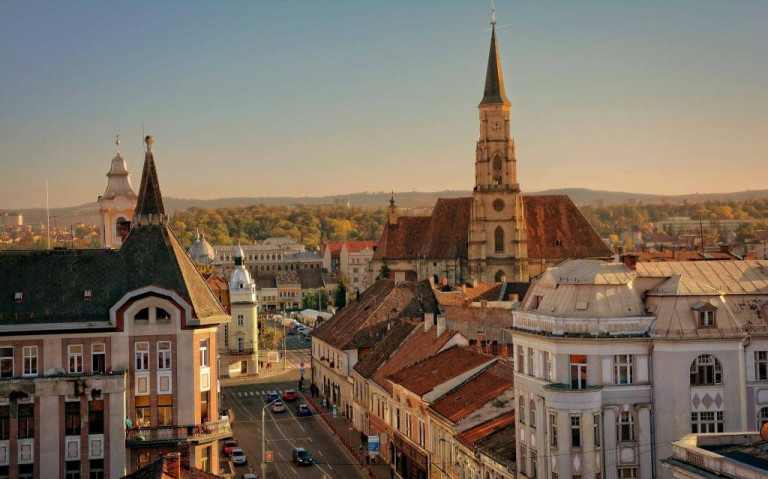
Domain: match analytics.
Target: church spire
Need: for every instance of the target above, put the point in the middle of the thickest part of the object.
(494, 93)
(149, 206)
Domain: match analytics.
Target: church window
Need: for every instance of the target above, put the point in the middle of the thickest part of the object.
(498, 204)
(496, 170)
(499, 278)
(499, 239)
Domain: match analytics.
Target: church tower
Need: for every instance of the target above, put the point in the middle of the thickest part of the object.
(497, 232)
(117, 203)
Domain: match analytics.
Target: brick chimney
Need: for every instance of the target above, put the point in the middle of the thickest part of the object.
(172, 465)
(440, 325)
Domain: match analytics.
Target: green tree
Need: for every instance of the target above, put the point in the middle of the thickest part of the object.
(271, 338)
(340, 293)
(383, 272)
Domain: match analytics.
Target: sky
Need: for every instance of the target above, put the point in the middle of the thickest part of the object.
(310, 98)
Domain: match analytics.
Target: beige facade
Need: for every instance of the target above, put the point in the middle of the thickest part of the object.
(740, 455)
(117, 204)
(355, 262)
(239, 339)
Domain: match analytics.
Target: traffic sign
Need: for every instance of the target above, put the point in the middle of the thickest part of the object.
(302, 364)
(269, 456)
(373, 444)
(302, 371)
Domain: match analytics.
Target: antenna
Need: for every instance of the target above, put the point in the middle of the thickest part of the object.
(142, 135)
(493, 13)
(47, 215)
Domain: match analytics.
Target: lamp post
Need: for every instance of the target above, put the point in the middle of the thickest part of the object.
(264, 439)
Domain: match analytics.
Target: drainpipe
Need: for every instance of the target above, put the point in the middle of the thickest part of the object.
(653, 397)
(743, 344)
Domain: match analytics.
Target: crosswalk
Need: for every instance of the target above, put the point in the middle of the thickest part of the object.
(256, 393)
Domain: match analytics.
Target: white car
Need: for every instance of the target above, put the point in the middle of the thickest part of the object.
(238, 456)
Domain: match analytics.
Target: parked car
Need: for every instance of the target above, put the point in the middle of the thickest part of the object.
(278, 406)
(249, 475)
(290, 395)
(223, 414)
(301, 457)
(303, 410)
(272, 396)
(238, 456)
(229, 445)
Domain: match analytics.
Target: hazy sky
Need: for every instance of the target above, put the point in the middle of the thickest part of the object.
(312, 97)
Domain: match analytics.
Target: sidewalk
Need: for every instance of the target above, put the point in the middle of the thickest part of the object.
(340, 427)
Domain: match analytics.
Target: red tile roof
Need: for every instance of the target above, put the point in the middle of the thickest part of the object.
(335, 247)
(555, 228)
(424, 376)
(419, 345)
(473, 435)
(357, 246)
(476, 392)
(457, 295)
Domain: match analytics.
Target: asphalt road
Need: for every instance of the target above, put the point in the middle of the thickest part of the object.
(284, 431)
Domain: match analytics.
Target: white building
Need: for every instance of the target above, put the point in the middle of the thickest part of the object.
(613, 365)
(117, 203)
(740, 455)
(239, 339)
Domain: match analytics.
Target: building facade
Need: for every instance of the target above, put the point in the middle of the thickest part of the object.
(107, 354)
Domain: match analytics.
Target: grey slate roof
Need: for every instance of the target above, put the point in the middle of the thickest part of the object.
(494, 82)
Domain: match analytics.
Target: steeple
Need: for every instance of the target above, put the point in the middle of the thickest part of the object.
(149, 206)
(494, 93)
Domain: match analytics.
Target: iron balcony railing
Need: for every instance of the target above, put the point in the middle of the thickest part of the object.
(151, 436)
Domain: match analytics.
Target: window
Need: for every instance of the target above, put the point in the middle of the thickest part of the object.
(162, 316)
(531, 363)
(98, 358)
(142, 356)
(29, 354)
(26, 415)
(163, 355)
(75, 353)
(408, 425)
(240, 320)
(534, 469)
(625, 427)
(87, 295)
(523, 460)
(26, 471)
(596, 429)
(706, 319)
(578, 371)
(204, 398)
(5, 422)
(520, 359)
(622, 366)
(164, 410)
(6, 362)
(72, 470)
(204, 354)
(553, 430)
(143, 411)
(521, 409)
(762, 417)
(575, 431)
(706, 371)
(72, 423)
(496, 170)
(96, 417)
(142, 316)
(548, 366)
(532, 412)
(240, 344)
(761, 365)
(627, 473)
(96, 468)
(422, 433)
(498, 204)
(706, 422)
(498, 237)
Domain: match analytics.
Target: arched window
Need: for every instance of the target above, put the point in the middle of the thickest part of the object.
(498, 236)
(521, 407)
(496, 170)
(532, 412)
(122, 228)
(500, 276)
(162, 315)
(762, 417)
(706, 371)
(142, 315)
(625, 427)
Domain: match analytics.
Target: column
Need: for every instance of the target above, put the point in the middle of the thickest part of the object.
(50, 436)
(562, 455)
(609, 442)
(588, 446)
(644, 441)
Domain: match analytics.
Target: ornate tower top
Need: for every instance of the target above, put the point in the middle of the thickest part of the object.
(118, 178)
(149, 206)
(494, 93)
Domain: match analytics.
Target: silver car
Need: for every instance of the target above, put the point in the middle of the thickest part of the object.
(238, 456)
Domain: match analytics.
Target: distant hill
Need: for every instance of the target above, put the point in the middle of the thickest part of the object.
(88, 213)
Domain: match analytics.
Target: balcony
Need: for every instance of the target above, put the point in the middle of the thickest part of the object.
(176, 435)
(585, 327)
(241, 352)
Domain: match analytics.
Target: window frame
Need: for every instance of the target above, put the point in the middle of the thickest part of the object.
(204, 353)
(77, 357)
(164, 356)
(141, 356)
(575, 431)
(100, 356)
(706, 370)
(622, 369)
(29, 362)
(761, 365)
(580, 381)
(625, 427)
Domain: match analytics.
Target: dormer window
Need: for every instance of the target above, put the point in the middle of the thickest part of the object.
(706, 319)
(88, 295)
(705, 314)
(18, 296)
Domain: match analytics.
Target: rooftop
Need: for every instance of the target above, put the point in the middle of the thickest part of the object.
(423, 377)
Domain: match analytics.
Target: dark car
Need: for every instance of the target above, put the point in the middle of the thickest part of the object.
(272, 396)
(303, 410)
(290, 395)
(301, 457)
(291, 332)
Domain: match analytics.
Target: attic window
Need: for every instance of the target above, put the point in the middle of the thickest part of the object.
(87, 295)
(558, 242)
(582, 305)
(706, 319)
(18, 296)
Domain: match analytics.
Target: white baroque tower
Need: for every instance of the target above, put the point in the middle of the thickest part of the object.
(117, 204)
(497, 249)
(240, 337)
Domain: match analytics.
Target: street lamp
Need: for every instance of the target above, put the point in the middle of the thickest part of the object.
(264, 440)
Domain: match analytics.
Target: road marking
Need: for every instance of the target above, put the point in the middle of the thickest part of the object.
(318, 451)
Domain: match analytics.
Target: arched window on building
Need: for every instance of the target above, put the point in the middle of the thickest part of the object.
(625, 427)
(521, 407)
(706, 371)
(496, 170)
(500, 276)
(762, 417)
(498, 237)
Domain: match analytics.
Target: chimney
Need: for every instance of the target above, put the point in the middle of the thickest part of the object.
(444, 281)
(474, 282)
(464, 288)
(172, 465)
(429, 321)
(440, 325)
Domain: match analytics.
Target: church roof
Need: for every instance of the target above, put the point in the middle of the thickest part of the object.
(53, 283)
(150, 200)
(118, 180)
(494, 93)
(555, 226)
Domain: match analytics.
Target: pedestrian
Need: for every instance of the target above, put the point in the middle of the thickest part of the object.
(391, 474)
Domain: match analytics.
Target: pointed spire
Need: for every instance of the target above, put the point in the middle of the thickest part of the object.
(149, 206)
(494, 93)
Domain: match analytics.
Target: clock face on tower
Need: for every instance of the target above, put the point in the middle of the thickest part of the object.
(496, 125)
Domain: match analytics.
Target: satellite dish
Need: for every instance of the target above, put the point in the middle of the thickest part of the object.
(764, 432)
